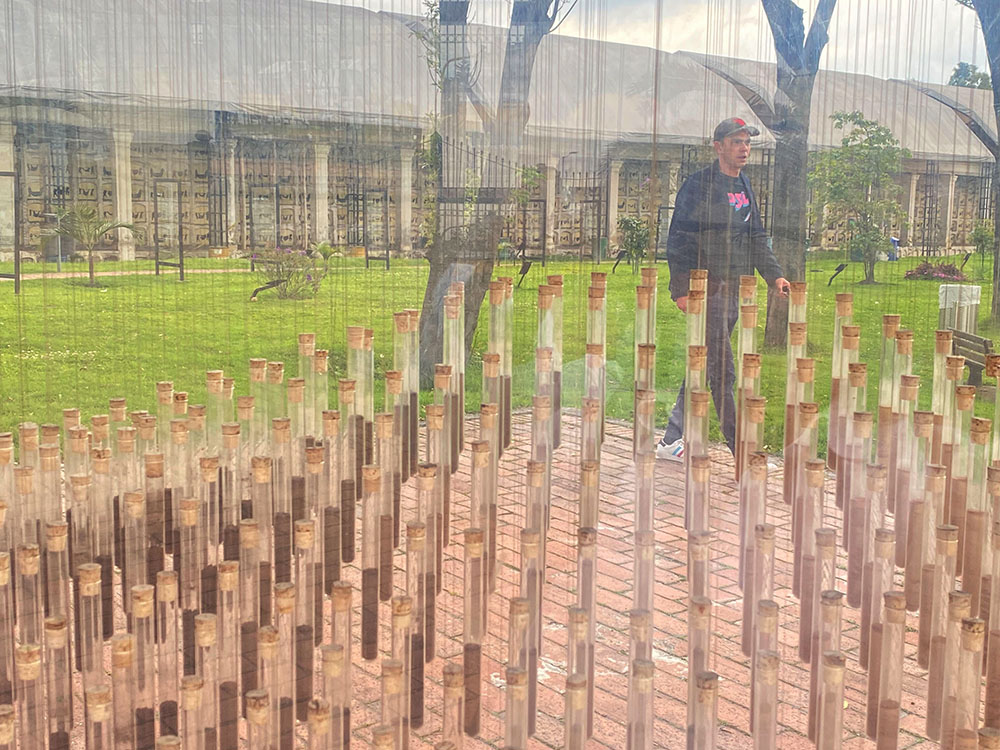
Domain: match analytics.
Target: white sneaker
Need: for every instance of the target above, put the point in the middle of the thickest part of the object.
(672, 452)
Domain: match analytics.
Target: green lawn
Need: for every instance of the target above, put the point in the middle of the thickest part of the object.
(63, 343)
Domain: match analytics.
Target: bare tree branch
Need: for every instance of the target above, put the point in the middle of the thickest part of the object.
(818, 34)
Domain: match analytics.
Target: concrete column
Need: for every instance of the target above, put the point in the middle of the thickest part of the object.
(673, 185)
(911, 211)
(613, 176)
(948, 219)
(321, 192)
(230, 230)
(404, 202)
(550, 171)
(121, 160)
(8, 215)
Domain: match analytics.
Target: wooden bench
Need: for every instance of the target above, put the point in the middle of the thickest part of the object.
(975, 349)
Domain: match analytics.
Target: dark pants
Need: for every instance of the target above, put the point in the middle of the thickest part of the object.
(722, 312)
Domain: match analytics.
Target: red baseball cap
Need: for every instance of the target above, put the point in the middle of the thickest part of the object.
(733, 125)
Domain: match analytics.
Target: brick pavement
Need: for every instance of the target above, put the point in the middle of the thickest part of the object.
(614, 597)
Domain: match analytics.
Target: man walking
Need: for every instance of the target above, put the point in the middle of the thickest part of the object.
(716, 225)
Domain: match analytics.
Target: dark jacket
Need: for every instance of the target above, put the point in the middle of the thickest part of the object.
(716, 225)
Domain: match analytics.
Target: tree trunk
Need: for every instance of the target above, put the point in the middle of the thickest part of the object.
(788, 195)
(90, 264)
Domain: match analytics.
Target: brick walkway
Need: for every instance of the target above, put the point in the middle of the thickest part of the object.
(615, 599)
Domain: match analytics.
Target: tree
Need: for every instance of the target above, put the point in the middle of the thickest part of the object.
(464, 244)
(84, 226)
(970, 76)
(787, 119)
(856, 184)
(988, 12)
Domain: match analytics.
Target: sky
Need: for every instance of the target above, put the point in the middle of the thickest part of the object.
(910, 39)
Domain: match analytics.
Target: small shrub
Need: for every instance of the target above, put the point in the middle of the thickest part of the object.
(297, 271)
(936, 272)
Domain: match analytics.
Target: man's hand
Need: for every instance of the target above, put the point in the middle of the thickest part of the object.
(682, 303)
(782, 287)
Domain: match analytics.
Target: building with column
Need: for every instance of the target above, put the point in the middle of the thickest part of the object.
(208, 139)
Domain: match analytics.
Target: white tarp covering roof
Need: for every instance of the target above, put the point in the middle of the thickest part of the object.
(329, 61)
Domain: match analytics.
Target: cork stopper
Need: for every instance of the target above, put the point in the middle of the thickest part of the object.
(696, 302)
(496, 292)
(142, 600)
(189, 507)
(414, 320)
(305, 535)
(48, 456)
(993, 480)
(808, 415)
(258, 370)
(909, 385)
(275, 373)
(178, 431)
(591, 409)
(935, 475)
(229, 575)
(697, 356)
(748, 285)
(383, 737)
(27, 559)
(989, 738)
(755, 408)
(168, 742)
(209, 466)
(180, 403)
(826, 539)
(27, 661)
(401, 320)
(394, 382)
(267, 641)
(296, 390)
(146, 425)
(56, 632)
(965, 396)
(231, 435)
(100, 460)
(371, 478)
(249, 533)
(594, 350)
(24, 479)
(923, 424)
(698, 278)
(491, 365)
(797, 293)
(555, 280)
(228, 386)
(122, 650)
(904, 342)
(331, 423)
(125, 439)
(545, 295)
(56, 533)
(517, 678)
(973, 633)
(488, 416)
(643, 297)
(333, 659)
(767, 615)
(850, 337)
(314, 459)
(833, 666)
(284, 598)
(885, 540)
(281, 430)
(757, 463)
(954, 367)
(318, 712)
(530, 539)
(541, 407)
(191, 687)
(442, 377)
(402, 606)
(135, 504)
(797, 334)
(166, 586)
(890, 324)
(245, 408)
(473, 542)
(875, 475)
(435, 416)
(942, 342)
(767, 665)
(205, 629)
(426, 475)
(321, 363)
(642, 671)
(707, 685)
(979, 430)
(345, 391)
(764, 537)
(453, 675)
(213, 382)
(307, 344)
(895, 607)
(639, 622)
(751, 366)
(519, 610)
(862, 423)
(805, 368)
(701, 468)
(383, 425)
(814, 472)
(260, 467)
(98, 701)
(831, 598)
(452, 306)
(993, 365)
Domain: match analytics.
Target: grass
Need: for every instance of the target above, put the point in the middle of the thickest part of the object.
(63, 343)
